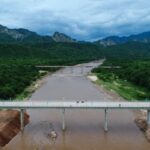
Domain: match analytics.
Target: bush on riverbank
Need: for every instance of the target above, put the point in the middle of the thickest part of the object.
(15, 78)
(131, 80)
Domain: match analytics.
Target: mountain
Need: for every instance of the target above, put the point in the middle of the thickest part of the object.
(25, 36)
(21, 35)
(114, 40)
(60, 37)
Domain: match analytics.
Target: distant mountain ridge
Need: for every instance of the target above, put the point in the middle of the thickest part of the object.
(60, 48)
(114, 40)
(23, 35)
(26, 36)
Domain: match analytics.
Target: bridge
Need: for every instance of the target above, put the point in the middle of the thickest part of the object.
(64, 105)
(85, 66)
(82, 68)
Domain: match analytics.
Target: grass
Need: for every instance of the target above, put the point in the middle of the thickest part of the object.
(23, 95)
(125, 89)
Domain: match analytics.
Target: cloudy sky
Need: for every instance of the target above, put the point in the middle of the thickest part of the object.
(81, 19)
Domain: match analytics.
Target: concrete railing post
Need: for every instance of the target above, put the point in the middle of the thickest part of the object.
(106, 120)
(82, 69)
(63, 120)
(148, 117)
(22, 119)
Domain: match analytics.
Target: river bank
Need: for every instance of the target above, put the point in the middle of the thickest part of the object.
(27, 93)
(140, 116)
(10, 119)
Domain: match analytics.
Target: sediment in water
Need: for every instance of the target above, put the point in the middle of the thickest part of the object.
(10, 125)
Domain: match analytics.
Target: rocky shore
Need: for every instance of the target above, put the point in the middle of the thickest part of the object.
(10, 125)
(142, 124)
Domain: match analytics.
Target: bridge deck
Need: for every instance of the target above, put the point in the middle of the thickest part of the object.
(85, 66)
(74, 104)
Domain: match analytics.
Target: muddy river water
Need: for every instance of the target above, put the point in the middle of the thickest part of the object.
(84, 127)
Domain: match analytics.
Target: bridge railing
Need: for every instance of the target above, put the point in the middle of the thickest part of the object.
(77, 70)
(63, 105)
(74, 104)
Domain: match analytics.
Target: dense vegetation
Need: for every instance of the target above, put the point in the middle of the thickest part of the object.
(54, 53)
(18, 60)
(130, 51)
(135, 72)
(15, 78)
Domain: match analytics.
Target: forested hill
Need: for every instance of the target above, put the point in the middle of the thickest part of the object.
(60, 48)
(60, 53)
(130, 50)
(55, 53)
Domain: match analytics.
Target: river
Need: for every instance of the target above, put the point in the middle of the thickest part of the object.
(84, 127)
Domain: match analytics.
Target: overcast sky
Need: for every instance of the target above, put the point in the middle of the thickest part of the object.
(81, 19)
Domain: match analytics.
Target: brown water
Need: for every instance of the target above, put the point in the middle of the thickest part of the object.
(84, 127)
